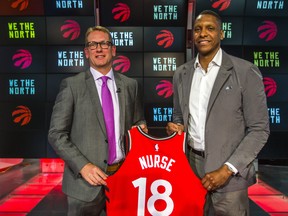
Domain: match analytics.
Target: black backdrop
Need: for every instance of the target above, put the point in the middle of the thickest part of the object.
(42, 42)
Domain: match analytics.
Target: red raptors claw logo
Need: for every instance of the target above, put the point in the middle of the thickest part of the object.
(223, 4)
(71, 29)
(22, 3)
(22, 115)
(121, 64)
(22, 58)
(268, 30)
(165, 38)
(270, 86)
(165, 88)
(121, 12)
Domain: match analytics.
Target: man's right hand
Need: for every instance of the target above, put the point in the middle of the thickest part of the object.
(172, 127)
(93, 175)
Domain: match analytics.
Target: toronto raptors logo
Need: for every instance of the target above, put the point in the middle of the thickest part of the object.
(21, 5)
(22, 58)
(121, 64)
(221, 4)
(121, 12)
(270, 86)
(164, 88)
(22, 115)
(165, 38)
(268, 30)
(71, 29)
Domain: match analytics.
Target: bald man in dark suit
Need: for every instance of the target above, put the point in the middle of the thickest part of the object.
(219, 100)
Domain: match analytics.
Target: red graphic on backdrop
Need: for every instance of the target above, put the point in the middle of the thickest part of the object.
(71, 29)
(22, 4)
(270, 86)
(22, 115)
(165, 38)
(268, 30)
(223, 4)
(121, 64)
(165, 88)
(22, 58)
(121, 12)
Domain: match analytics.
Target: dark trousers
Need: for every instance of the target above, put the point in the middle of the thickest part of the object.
(80, 208)
(235, 203)
(94, 208)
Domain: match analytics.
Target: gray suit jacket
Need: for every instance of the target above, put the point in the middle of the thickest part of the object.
(77, 129)
(237, 123)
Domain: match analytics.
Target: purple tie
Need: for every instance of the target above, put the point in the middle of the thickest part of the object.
(108, 111)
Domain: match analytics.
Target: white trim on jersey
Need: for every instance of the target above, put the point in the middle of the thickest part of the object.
(155, 138)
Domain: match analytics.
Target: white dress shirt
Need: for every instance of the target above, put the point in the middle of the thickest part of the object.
(113, 89)
(202, 85)
(201, 89)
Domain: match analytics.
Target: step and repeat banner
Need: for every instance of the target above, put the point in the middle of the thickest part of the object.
(151, 42)
(42, 42)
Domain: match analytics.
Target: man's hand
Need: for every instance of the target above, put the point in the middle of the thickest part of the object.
(93, 175)
(143, 127)
(214, 180)
(172, 127)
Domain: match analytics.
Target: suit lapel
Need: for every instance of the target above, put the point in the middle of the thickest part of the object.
(121, 98)
(187, 81)
(95, 99)
(223, 74)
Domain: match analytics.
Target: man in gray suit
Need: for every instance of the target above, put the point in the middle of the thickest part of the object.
(219, 100)
(78, 132)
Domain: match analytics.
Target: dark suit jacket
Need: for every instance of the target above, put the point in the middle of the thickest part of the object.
(237, 123)
(77, 129)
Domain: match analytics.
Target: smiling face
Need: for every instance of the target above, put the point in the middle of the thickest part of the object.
(207, 35)
(100, 59)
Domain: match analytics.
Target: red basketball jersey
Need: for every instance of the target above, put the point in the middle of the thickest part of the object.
(155, 179)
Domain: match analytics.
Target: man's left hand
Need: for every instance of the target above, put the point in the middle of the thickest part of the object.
(216, 179)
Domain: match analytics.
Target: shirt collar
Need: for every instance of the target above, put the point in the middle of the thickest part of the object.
(97, 75)
(216, 60)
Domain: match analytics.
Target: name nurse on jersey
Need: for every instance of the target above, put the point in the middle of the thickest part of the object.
(156, 161)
